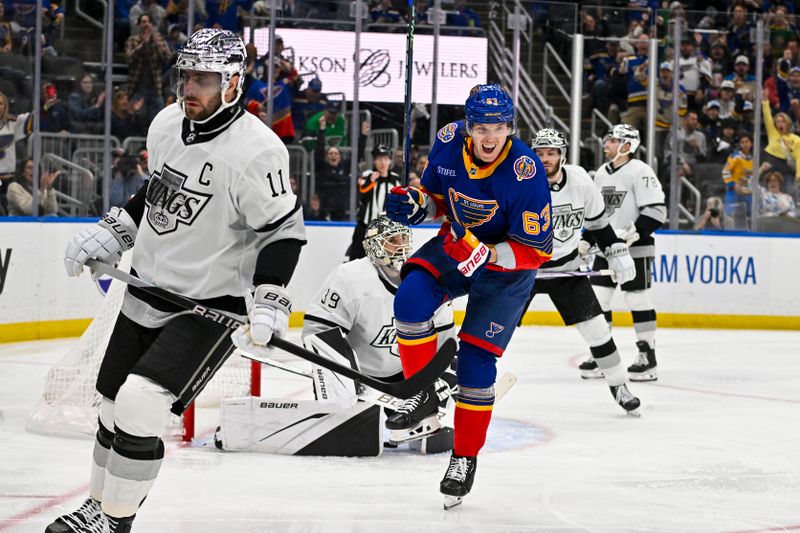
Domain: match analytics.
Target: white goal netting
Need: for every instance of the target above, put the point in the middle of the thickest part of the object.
(68, 406)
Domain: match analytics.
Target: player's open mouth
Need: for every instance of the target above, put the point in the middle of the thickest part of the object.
(488, 148)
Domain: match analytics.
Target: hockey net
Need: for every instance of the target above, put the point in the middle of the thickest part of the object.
(69, 403)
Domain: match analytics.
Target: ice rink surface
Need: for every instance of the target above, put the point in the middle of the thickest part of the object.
(717, 449)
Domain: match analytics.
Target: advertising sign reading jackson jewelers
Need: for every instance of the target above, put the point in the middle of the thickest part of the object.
(462, 63)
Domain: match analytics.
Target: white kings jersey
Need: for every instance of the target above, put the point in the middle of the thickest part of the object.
(575, 204)
(211, 206)
(359, 301)
(629, 191)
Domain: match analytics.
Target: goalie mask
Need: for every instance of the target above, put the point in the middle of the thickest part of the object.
(387, 243)
(211, 50)
(551, 138)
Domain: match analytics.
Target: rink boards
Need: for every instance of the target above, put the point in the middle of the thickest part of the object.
(727, 280)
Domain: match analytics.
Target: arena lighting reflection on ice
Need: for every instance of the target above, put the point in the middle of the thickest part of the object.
(462, 63)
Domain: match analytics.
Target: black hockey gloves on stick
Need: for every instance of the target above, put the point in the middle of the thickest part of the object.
(402, 389)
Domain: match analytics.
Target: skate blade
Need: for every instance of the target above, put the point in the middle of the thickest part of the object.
(591, 374)
(644, 376)
(427, 427)
(452, 501)
(634, 412)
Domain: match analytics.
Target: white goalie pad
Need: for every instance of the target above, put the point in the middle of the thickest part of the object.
(328, 385)
(299, 427)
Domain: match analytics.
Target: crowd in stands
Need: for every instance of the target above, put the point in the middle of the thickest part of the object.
(716, 96)
(716, 100)
(151, 32)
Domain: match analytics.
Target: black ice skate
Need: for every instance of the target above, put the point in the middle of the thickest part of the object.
(420, 407)
(120, 525)
(88, 517)
(644, 368)
(589, 369)
(457, 481)
(625, 399)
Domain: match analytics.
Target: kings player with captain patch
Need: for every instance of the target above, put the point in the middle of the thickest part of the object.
(493, 191)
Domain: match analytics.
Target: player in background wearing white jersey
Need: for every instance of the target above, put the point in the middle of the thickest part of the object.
(576, 204)
(216, 219)
(635, 204)
(350, 320)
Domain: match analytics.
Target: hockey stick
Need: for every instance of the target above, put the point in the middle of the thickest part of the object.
(575, 274)
(402, 389)
(409, 73)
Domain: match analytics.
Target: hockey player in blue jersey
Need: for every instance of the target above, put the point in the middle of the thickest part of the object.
(493, 192)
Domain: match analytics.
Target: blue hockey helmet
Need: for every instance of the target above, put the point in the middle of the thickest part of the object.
(489, 104)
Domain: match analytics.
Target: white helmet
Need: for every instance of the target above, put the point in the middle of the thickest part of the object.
(551, 138)
(212, 50)
(380, 232)
(625, 133)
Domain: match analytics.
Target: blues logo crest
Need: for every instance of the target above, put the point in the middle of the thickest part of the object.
(470, 212)
(524, 168)
(447, 133)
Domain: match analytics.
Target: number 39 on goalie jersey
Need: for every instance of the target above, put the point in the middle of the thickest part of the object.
(360, 302)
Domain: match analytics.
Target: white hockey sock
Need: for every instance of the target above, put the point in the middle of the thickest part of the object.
(644, 316)
(132, 467)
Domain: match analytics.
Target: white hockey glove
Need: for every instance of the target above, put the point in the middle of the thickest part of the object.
(620, 262)
(586, 253)
(268, 313)
(628, 234)
(113, 234)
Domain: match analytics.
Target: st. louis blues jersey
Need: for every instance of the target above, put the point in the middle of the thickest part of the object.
(577, 204)
(507, 201)
(356, 299)
(630, 191)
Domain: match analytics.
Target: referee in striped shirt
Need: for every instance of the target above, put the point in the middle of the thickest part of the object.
(373, 188)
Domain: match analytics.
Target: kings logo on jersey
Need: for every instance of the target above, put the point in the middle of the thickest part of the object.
(612, 198)
(471, 212)
(565, 221)
(170, 202)
(387, 338)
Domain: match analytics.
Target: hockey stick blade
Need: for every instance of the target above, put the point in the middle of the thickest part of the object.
(402, 389)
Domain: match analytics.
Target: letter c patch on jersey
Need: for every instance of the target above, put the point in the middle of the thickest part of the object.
(447, 133)
(524, 168)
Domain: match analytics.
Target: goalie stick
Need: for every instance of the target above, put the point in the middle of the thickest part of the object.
(402, 389)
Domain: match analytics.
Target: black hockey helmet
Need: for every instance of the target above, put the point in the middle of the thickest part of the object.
(381, 149)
